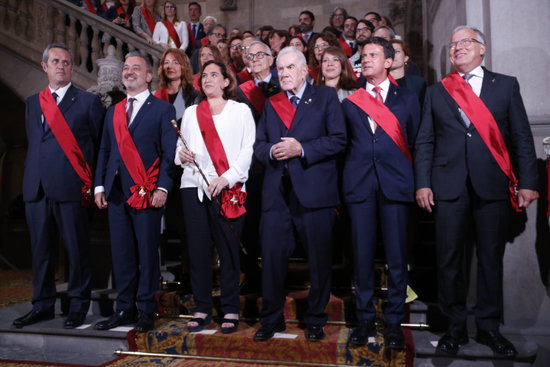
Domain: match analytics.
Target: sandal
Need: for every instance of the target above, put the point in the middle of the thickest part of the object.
(231, 329)
(201, 323)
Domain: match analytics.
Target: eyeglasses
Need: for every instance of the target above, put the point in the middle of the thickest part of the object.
(220, 35)
(362, 30)
(170, 7)
(236, 47)
(244, 48)
(258, 55)
(321, 46)
(337, 15)
(466, 42)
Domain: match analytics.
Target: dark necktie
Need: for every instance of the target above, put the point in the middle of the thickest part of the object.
(195, 30)
(263, 86)
(130, 110)
(467, 121)
(295, 100)
(46, 126)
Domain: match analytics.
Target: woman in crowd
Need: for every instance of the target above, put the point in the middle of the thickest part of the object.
(299, 43)
(217, 122)
(223, 47)
(294, 30)
(121, 13)
(144, 19)
(176, 81)
(278, 39)
(415, 83)
(206, 53)
(316, 46)
(336, 72)
(171, 32)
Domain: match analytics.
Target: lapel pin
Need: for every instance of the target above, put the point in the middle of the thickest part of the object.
(308, 101)
(493, 80)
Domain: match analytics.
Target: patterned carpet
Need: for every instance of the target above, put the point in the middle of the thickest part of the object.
(15, 287)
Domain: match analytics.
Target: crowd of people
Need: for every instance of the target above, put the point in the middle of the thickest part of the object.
(275, 130)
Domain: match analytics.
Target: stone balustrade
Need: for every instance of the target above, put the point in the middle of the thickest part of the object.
(27, 26)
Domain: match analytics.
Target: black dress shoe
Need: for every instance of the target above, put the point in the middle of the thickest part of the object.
(498, 343)
(314, 333)
(119, 318)
(33, 317)
(394, 338)
(146, 322)
(74, 319)
(360, 335)
(451, 342)
(266, 332)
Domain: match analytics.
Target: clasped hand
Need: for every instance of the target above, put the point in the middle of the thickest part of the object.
(286, 149)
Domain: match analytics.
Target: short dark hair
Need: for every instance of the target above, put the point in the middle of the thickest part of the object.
(351, 17)
(389, 52)
(142, 56)
(376, 15)
(310, 14)
(195, 3)
(367, 23)
(229, 91)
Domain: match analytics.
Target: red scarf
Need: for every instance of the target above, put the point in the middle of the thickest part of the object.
(232, 200)
(383, 117)
(486, 125)
(192, 39)
(162, 94)
(345, 46)
(90, 6)
(392, 80)
(254, 95)
(148, 18)
(65, 137)
(284, 109)
(172, 32)
(244, 76)
(314, 72)
(196, 82)
(145, 181)
(120, 11)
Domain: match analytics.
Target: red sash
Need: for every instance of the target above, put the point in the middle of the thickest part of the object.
(65, 137)
(345, 47)
(145, 181)
(383, 117)
(172, 32)
(392, 80)
(191, 36)
(120, 11)
(196, 82)
(148, 18)
(162, 94)
(254, 95)
(232, 200)
(314, 72)
(104, 7)
(90, 6)
(284, 109)
(244, 76)
(486, 125)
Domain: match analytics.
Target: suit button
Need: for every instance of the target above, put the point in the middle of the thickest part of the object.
(469, 135)
(374, 140)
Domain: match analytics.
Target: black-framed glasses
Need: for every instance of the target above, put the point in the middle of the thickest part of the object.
(465, 42)
(258, 55)
(171, 7)
(220, 35)
(236, 47)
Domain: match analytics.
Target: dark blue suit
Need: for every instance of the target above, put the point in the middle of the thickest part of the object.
(469, 187)
(378, 185)
(135, 234)
(52, 195)
(300, 195)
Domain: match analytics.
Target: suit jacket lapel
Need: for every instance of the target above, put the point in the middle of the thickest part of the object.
(453, 106)
(142, 111)
(488, 85)
(68, 100)
(304, 107)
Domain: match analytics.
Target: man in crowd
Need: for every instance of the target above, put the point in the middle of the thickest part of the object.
(299, 137)
(363, 32)
(348, 36)
(337, 18)
(373, 17)
(473, 126)
(378, 187)
(385, 32)
(306, 20)
(133, 176)
(195, 29)
(63, 126)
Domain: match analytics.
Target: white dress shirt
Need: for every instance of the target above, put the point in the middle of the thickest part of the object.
(161, 35)
(237, 131)
(384, 86)
(477, 80)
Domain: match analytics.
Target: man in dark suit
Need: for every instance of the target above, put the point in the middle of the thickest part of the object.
(306, 20)
(300, 134)
(457, 174)
(133, 176)
(54, 188)
(378, 187)
(195, 28)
